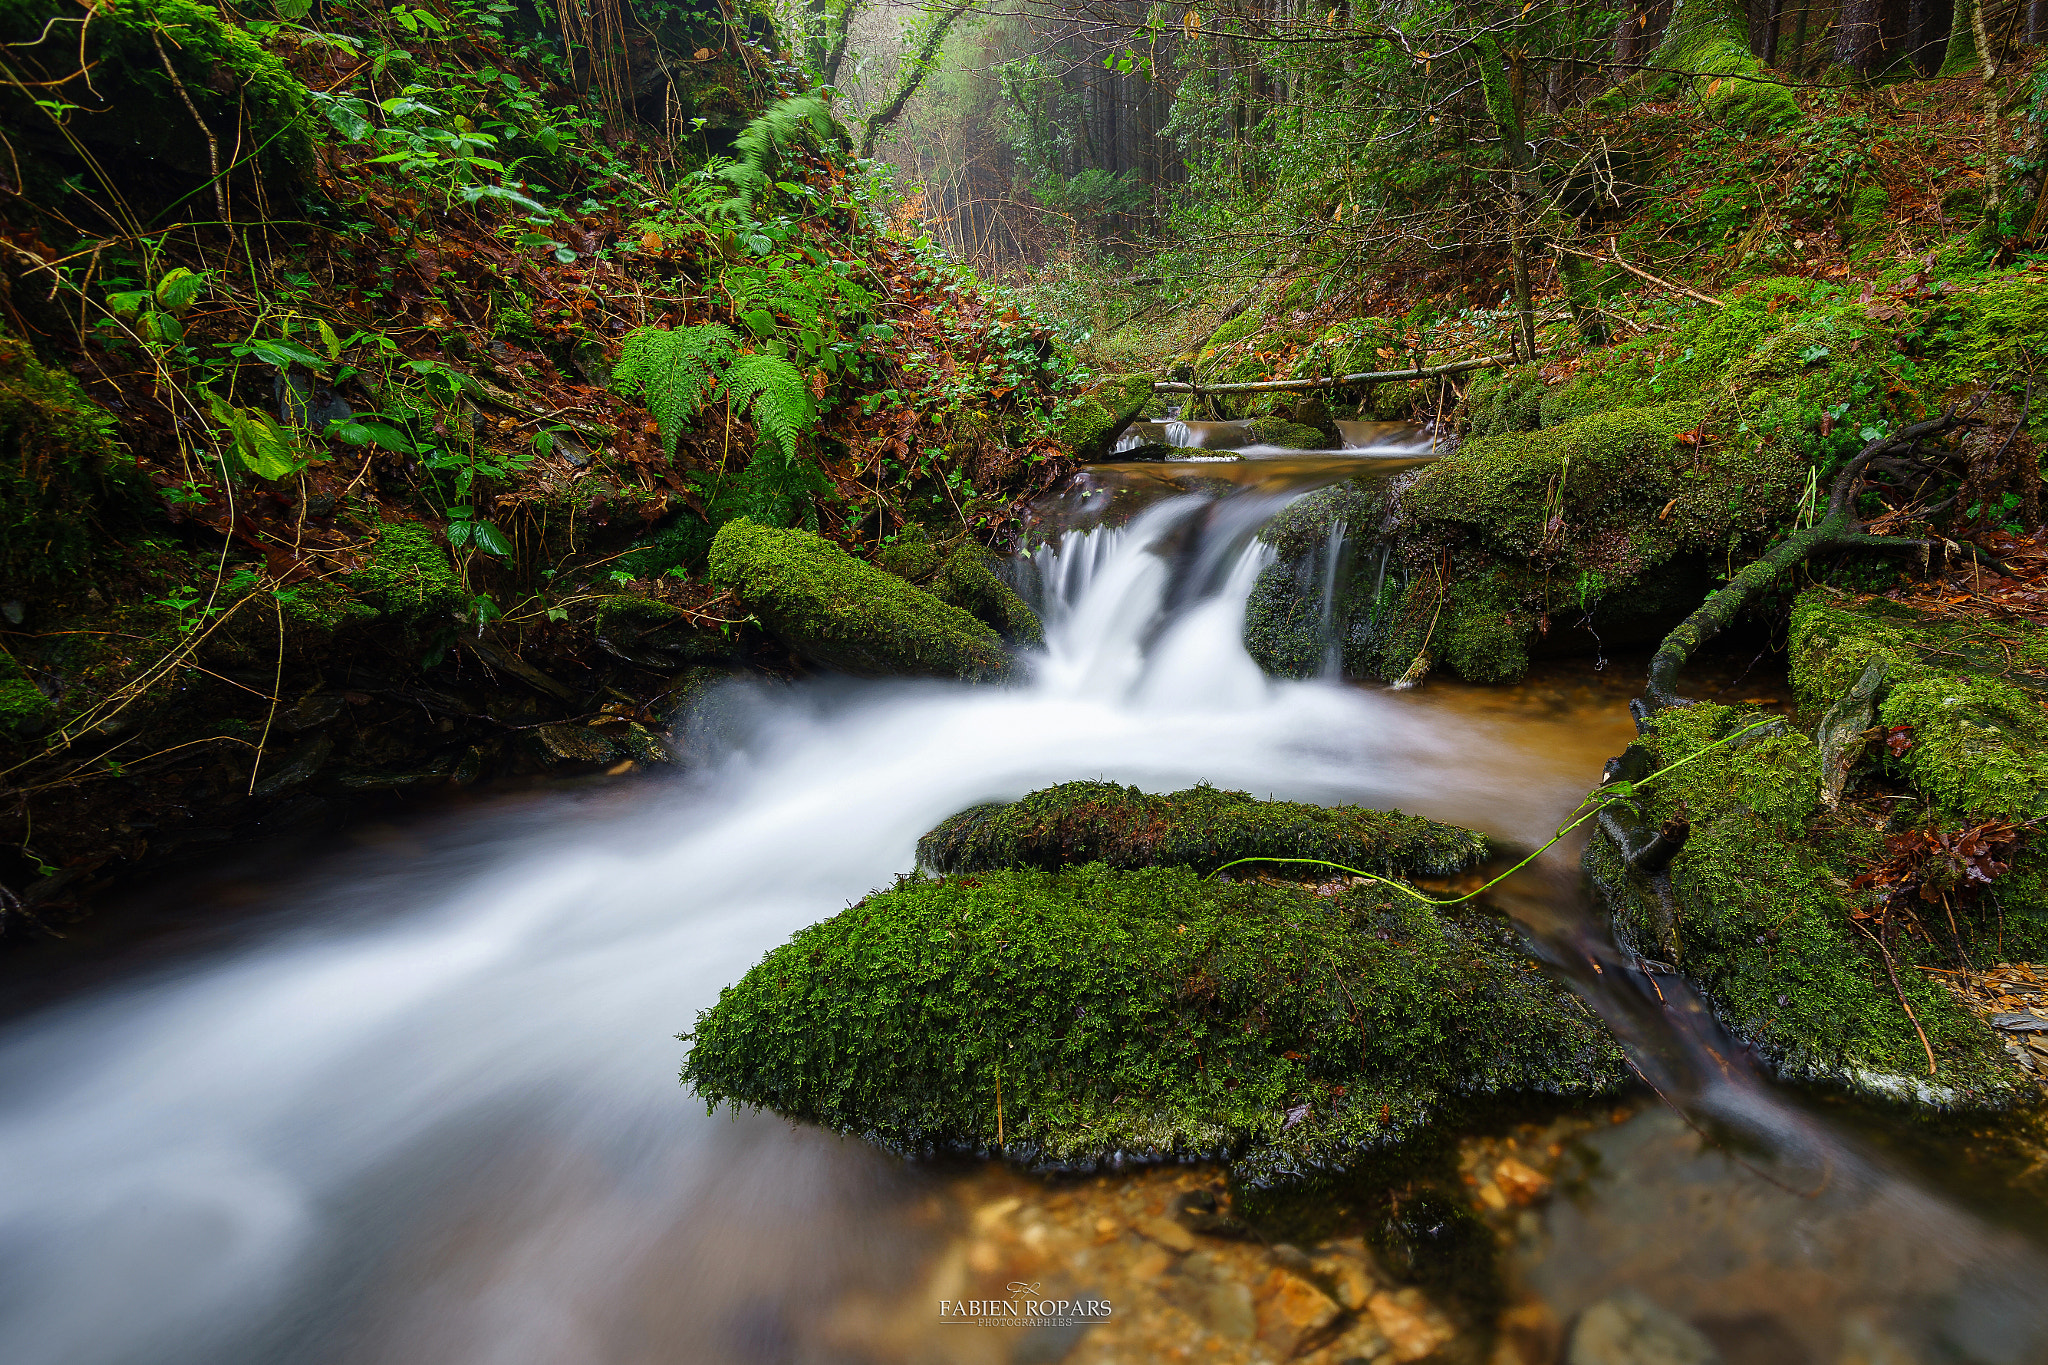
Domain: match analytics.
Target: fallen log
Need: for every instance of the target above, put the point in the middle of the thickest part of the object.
(1335, 381)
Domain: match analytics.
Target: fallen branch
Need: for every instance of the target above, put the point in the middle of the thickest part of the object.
(1639, 272)
(1335, 381)
(1837, 527)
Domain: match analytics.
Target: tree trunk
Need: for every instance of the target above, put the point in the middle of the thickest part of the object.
(910, 77)
(1498, 78)
(1859, 35)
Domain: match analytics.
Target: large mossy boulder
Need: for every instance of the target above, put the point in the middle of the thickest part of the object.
(1203, 828)
(967, 580)
(1762, 909)
(841, 612)
(1091, 422)
(1095, 1014)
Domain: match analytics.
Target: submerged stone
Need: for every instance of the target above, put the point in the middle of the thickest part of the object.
(1093, 1014)
(839, 611)
(1202, 827)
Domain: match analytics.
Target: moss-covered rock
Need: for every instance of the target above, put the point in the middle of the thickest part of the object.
(137, 115)
(1611, 518)
(968, 581)
(1143, 1014)
(910, 555)
(1757, 910)
(1202, 827)
(1276, 431)
(838, 611)
(1286, 628)
(408, 577)
(24, 709)
(1091, 422)
(59, 470)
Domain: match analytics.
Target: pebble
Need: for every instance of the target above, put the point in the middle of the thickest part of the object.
(1628, 1329)
(1411, 1323)
(1292, 1311)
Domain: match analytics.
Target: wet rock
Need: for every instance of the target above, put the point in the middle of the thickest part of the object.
(294, 767)
(312, 711)
(1293, 1311)
(1085, 971)
(1361, 1343)
(1520, 1183)
(1627, 1328)
(1198, 1212)
(1168, 1234)
(1412, 1325)
(1228, 1309)
(1093, 421)
(1346, 1272)
(838, 611)
(1202, 827)
(576, 744)
(968, 581)
(1274, 431)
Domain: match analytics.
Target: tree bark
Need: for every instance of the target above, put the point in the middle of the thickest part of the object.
(910, 77)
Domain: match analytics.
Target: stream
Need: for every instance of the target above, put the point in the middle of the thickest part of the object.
(424, 1109)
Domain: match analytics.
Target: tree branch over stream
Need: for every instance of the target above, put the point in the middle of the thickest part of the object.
(1838, 527)
(1336, 381)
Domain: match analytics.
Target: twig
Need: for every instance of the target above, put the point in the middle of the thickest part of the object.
(1615, 259)
(1911, 1018)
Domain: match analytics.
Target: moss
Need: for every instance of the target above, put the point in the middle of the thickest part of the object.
(59, 472)
(408, 576)
(968, 582)
(838, 611)
(23, 708)
(910, 555)
(1980, 748)
(1142, 1014)
(1395, 402)
(135, 116)
(1202, 828)
(1504, 401)
(1274, 431)
(1710, 39)
(1866, 210)
(1629, 500)
(1092, 422)
(1763, 922)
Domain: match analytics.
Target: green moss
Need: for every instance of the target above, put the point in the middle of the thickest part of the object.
(1763, 922)
(1866, 209)
(968, 581)
(838, 611)
(135, 116)
(1628, 500)
(408, 576)
(910, 555)
(59, 472)
(1709, 38)
(1142, 1014)
(1091, 423)
(1504, 401)
(23, 708)
(1274, 431)
(1980, 748)
(1202, 828)
(1394, 402)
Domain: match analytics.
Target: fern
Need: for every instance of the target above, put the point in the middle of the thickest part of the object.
(760, 145)
(675, 369)
(772, 392)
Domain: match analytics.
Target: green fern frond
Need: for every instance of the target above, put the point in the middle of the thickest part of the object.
(675, 368)
(772, 392)
(759, 146)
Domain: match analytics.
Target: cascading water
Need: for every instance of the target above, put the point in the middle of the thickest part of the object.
(432, 1116)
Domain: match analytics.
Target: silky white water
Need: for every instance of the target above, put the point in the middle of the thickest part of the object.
(191, 1162)
(433, 1117)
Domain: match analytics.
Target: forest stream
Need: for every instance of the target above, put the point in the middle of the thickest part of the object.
(425, 1109)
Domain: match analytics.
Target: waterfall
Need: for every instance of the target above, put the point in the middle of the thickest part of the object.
(1332, 557)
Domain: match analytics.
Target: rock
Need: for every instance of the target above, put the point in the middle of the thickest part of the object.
(294, 767)
(1093, 421)
(1198, 1213)
(836, 610)
(1168, 1234)
(1520, 1183)
(408, 577)
(1292, 1311)
(1626, 1328)
(1088, 971)
(1202, 827)
(1346, 1274)
(1362, 1343)
(1275, 431)
(1412, 1325)
(1845, 732)
(311, 711)
(968, 581)
(576, 744)
(1227, 1308)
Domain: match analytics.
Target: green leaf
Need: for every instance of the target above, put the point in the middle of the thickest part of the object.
(128, 302)
(349, 115)
(491, 540)
(285, 354)
(179, 289)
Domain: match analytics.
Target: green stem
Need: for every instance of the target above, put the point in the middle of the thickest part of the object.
(1598, 800)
